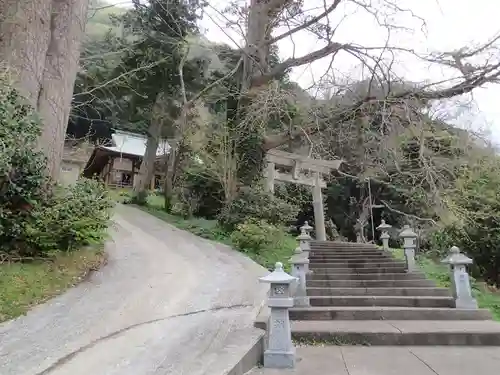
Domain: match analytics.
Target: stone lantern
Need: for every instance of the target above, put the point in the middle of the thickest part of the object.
(304, 241)
(409, 237)
(384, 236)
(299, 263)
(307, 228)
(305, 245)
(280, 352)
(460, 281)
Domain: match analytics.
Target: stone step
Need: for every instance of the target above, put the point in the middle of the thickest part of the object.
(346, 248)
(389, 301)
(357, 271)
(370, 283)
(410, 291)
(365, 276)
(383, 264)
(343, 253)
(351, 251)
(350, 258)
(342, 245)
(386, 313)
(394, 332)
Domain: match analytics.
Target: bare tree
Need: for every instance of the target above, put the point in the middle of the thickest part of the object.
(266, 21)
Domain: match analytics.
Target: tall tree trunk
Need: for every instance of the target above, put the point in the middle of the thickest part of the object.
(146, 172)
(256, 61)
(168, 187)
(61, 65)
(24, 41)
(174, 171)
(40, 41)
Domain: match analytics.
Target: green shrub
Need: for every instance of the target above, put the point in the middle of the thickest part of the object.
(255, 203)
(263, 242)
(22, 177)
(255, 236)
(71, 218)
(36, 217)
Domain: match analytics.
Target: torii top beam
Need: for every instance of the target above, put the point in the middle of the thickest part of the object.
(283, 158)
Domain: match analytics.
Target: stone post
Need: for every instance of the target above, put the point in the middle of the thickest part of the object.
(319, 215)
(270, 173)
(384, 236)
(409, 237)
(460, 281)
(307, 228)
(296, 253)
(299, 263)
(280, 352)
(305, 245)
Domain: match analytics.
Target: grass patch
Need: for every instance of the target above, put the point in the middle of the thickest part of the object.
(281, 251)
(120, 195)
(439, 273)
(24, 285)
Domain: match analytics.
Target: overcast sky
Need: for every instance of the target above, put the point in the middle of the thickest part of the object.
(450, 24)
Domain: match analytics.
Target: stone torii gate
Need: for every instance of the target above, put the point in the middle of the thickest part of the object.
(299, 164)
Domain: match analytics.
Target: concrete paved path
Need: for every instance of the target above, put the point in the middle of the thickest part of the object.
(386, 360)
(167, 302)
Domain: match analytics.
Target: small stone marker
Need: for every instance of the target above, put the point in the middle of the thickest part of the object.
(460, 281)
(299, 263)
(409, 246)
(384, 236)
(280, 352)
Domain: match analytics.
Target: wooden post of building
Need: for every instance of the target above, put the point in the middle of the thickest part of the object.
(319, 216)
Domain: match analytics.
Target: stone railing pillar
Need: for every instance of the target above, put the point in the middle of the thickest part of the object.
(409, 245)
(305, 245)
(299, 263)
(280, 352)
(384, 236)
(460, 281)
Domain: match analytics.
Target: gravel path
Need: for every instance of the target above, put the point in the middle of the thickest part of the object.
(165, 303)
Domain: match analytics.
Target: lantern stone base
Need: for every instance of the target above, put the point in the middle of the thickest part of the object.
(466, 304)
(279, 359)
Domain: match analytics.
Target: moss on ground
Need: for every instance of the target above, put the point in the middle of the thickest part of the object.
(24, 285)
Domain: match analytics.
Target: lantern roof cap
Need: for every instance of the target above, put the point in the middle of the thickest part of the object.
(407, 232)
(278, 276)
(455, 257)
(383, 225)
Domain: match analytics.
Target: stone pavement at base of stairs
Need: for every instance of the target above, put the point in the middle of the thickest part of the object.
(387, 360)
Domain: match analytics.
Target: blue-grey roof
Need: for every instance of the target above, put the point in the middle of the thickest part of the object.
(134, 144)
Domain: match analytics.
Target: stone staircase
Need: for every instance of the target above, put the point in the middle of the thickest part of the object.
(359, 294)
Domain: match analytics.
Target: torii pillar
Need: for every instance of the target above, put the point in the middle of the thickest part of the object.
(319, 214)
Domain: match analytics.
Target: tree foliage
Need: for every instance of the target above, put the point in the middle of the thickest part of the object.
(475, 227)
